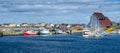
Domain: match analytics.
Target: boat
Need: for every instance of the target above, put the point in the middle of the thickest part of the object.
(29, 33)
(119, 31)
(44, 32)
(86, 33)
(58, 31)
(89, 33)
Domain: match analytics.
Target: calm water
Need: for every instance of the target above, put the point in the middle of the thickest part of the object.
(74, 43)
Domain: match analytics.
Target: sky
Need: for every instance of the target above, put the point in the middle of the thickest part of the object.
(57, 11)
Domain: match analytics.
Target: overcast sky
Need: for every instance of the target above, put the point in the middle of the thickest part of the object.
(56, 11)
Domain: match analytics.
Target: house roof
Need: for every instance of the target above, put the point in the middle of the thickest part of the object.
(99, 15)
(105, 21)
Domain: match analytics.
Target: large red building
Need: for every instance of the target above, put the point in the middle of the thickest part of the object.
(99, 20)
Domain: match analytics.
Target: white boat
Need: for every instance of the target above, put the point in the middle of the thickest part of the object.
(44, 32)
(119, 31)
(86, 33)
(92, 33)
(60, 32)
(89, 34)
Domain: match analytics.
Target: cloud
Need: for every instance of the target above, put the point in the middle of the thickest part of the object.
(45, 7)
(42, 6)
(54, 8)
(111, 7)
(53, 0)
(59, 9)
(86, 0)
(3, 9)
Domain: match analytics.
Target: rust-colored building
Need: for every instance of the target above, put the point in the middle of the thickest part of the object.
(99, 20)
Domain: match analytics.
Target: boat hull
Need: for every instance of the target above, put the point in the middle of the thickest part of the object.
(26, 34)
(29, 33)
(44, 33)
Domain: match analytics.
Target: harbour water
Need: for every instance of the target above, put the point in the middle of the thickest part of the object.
(69, 43)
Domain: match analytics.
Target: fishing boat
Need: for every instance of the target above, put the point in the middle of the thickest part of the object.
(44, 32)
(29, 33)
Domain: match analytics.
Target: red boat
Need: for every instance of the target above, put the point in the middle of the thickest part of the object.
(29, 33)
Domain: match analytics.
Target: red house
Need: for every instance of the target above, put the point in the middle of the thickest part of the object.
(103, 20)
(99, 20)
(63, 26)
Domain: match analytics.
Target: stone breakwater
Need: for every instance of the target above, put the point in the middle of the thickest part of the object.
(14, 30)
(19, 30)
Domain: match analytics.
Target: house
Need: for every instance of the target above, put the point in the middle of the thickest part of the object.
(24, 24)
(76, 28)
(82, 25)
(40, 24)
(0, 25)
(63, 26)
(18, 25)
(116, 25)
(9, 25)
(99, 20)
(49, 25)
(56, 25)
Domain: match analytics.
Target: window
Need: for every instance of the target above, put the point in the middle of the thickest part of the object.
(101, 18)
